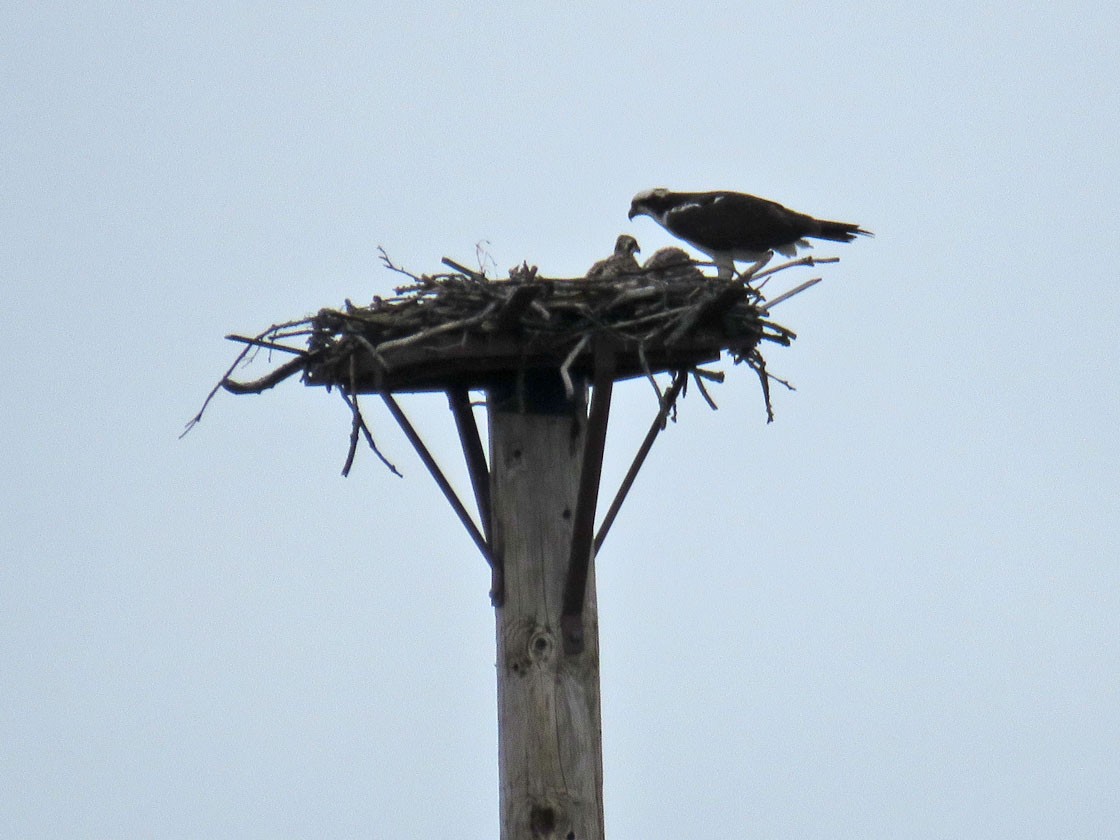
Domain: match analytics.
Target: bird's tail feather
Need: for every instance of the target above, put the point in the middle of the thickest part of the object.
(839, 231)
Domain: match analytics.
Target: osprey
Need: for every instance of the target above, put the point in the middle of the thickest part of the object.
(671, 263)
(730, 226)
(622, 261)
(667, 258)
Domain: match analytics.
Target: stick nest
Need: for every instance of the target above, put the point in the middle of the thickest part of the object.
(463, 330)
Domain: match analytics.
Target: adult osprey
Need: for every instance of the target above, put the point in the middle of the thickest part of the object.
(730, 226)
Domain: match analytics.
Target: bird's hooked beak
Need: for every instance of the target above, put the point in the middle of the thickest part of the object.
(634, 211)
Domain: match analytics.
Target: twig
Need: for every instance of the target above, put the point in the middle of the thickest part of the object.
(483, 256)
(257, 342)
(355, 427)
(710, 375)
(635, 294)
(565, 369)
(664, 315)
(356, 420)
(648, 372)
(265, 382)
(770, 304)
(759, 366)
(365, 342)
(781, 382)
(704, 391)
(357, 424)
(439, 329)
(810, 261)
(194, 421)
(748, 275)
(291, 333)
(389, 264)
(462, 269)
(712, 306)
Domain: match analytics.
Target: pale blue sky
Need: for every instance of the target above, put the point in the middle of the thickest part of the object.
(893, 613)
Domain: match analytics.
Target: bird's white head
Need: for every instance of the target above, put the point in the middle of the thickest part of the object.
(642, 204)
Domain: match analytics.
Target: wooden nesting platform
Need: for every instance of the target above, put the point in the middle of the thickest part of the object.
(515, 338)
(459, 330)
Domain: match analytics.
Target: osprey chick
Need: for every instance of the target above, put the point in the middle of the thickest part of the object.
(621, 262)
(730, 226)
(671, 262)
(667, 258)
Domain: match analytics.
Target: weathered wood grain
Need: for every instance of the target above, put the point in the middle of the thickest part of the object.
(550, 745)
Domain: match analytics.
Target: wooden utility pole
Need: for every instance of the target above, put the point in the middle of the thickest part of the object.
(550, 744)
(537, 347)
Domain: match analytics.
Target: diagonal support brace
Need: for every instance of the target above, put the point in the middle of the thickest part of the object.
(458, 397)
(667, 402)
(437, 474)
(583, 521)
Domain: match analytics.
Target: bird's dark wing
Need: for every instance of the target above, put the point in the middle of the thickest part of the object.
(726, 221)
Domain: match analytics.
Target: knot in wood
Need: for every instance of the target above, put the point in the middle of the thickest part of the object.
(529, 647)
(541, 646)
(542, 821)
